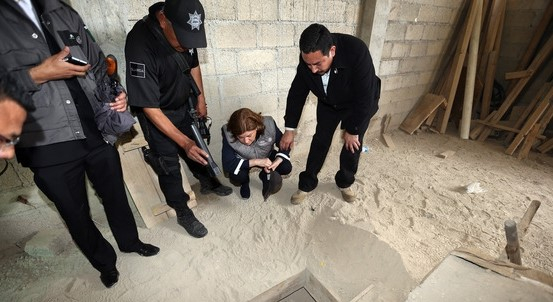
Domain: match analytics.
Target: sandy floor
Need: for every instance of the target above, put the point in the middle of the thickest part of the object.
(413, 209)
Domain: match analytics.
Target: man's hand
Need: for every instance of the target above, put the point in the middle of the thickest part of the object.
(120, 103)
(351, 142)
(287, 140)
(54, 68)
(195, 153)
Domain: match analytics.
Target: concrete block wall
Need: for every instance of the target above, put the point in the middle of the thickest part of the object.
(417, 35)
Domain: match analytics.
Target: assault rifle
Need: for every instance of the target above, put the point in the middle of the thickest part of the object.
(200, 128)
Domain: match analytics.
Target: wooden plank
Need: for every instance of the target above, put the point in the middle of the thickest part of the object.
(458, 64)
(527, 127)
(545, 119)
(518, 74)
(542, 55)
(141, 186)
(529, 141)
(475, 132)
(507, 128)
(420, 112)
(491, 65)
(546, 146)
(542, 94)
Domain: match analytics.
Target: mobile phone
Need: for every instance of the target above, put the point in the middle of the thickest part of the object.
(76, 61)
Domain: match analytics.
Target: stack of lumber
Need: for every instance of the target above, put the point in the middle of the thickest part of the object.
(481, 28)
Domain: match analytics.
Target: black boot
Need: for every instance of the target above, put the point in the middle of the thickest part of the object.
(186, 218)
(212, 185)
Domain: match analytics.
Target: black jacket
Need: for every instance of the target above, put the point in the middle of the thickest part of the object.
(353, 85)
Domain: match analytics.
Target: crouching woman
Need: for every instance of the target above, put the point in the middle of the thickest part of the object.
(251, 140)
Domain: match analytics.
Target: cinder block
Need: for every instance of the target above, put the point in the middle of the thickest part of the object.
(405, 12)
(288, 57)
(435, 14)
(388, 67)
(414, 32)
(234, 35)
(418, 49)
(255, 10)
(401, 50)
(285, 77)
(396, 31)
(240, 85)
(276, 35)
(225, 62)
(269, 82)
(257, 59)
(337, 7)
(218, 10)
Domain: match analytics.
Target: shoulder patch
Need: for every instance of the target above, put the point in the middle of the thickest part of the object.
(138, 70)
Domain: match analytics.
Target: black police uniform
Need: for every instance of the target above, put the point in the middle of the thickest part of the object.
(154, 80)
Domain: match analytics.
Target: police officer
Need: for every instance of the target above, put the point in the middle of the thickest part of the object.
(158, 90)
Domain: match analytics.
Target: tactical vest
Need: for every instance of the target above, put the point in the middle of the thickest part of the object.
(261, 147)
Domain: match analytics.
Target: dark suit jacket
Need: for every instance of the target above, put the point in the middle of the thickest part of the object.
(353, 88)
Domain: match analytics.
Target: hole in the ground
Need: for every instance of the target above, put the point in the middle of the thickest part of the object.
(303, 287)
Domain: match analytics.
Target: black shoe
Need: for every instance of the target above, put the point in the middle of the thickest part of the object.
(109, 278)
(245, 191)
(145, 249)
(214, 186)
(189, 222)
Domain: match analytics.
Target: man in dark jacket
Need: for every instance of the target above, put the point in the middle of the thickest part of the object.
(159, 90)
(61, 142)
(14, 104)
(338, 69)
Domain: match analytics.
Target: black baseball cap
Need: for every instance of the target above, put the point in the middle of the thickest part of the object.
(187, 18)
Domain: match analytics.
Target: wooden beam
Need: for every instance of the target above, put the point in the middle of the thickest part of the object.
(529, 141)
(546, 146)
(506, 128)
(457, 65)
(542, 55)
(527, 127)
(420, 112)
(492, 64)
(542, 94)
(518, 74)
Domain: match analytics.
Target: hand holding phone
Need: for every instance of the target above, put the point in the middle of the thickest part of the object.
(75, 61)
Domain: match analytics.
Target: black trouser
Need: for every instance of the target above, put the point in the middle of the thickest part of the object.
(65, 186)
(328, 119)
(161, 145)
(243, 176)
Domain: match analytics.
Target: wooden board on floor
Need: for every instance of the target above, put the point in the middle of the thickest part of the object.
(421, 112)
(142, 183)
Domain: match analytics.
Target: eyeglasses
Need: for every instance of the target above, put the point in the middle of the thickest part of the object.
(6, 143)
